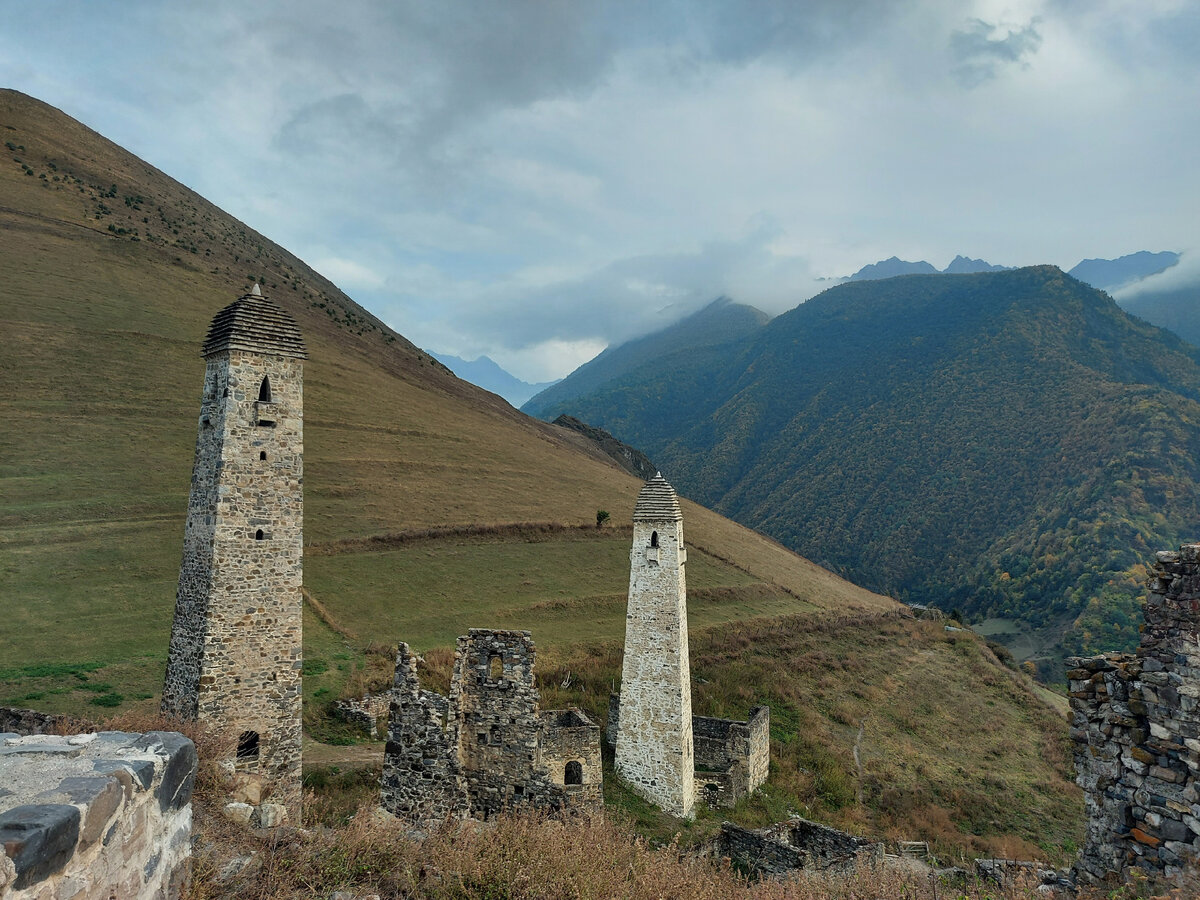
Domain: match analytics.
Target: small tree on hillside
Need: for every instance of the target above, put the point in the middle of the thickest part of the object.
(601, 517)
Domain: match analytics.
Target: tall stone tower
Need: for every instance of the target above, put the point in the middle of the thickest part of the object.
(235, 651)
(654, 737)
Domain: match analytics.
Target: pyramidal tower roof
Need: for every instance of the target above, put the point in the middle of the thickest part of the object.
(657, 502)
(255, 324)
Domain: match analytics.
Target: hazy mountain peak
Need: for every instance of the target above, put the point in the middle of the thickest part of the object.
(1110, 274)
(485, 372)
(964, 265)
(891, 267)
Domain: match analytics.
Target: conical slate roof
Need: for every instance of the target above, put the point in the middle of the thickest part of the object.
(657, 502)
(255, 324)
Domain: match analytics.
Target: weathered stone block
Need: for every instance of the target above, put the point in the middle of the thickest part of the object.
(39, 839)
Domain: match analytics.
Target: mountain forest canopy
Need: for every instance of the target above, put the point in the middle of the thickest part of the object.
(1005, 443)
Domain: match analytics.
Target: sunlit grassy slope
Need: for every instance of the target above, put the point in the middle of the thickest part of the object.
(416, 490)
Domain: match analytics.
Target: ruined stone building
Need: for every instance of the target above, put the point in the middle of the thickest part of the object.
(664, 752)
(1136, 732)
(486, 747)
(731, 758)
(235, 651)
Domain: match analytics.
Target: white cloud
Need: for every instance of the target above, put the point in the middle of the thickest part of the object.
(536, 178)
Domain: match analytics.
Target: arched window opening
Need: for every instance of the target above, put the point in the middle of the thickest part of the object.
(247, 748)
(264, 390)
(654, 539)
(258, 535)
(262, 454)
(496, 668)
(573, 773)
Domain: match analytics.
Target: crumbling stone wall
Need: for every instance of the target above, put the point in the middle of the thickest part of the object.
(732, 758)
(366, 713)
(1136, 732)
(235, 652)
(570, 757)
(795, 844)
(95, 816)
(654, 751)
(14, 720)
(422, 775)
(486, 748)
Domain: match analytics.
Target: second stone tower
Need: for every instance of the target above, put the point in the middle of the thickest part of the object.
(654, 737)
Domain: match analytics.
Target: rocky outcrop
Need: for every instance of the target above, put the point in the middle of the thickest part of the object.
(632, 460)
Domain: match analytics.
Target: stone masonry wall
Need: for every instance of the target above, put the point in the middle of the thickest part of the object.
(495, 699)
(422, 777)
(1136, 732)
(486, 748)
(95, 816)
(569, 739)
(654, 752)
(365, 713)
(235, 653)
(794, 844)
(732, 758)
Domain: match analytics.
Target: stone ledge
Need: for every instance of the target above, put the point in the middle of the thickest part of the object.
(76, 807)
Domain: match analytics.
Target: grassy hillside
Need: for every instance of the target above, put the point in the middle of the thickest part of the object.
(1009, 443)
(113, 271)
(431, 507)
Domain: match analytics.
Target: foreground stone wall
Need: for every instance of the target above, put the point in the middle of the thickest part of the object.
(422, 776)
(486, 748)
(95, 816)
(1136, 732)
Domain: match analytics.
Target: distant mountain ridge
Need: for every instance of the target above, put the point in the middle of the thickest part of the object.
(1011, 443)
(894, 266)
(720, 322)
(486, 373)
(1110, 274)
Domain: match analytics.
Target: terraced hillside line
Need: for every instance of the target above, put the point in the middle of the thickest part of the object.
(527, 531)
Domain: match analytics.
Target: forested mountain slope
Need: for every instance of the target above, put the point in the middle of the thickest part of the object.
(1010, 443)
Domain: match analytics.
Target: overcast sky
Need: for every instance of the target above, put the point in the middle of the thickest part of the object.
(534, 180)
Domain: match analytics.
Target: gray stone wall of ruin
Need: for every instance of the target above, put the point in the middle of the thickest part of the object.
(366, 713)
(654, 751)
(496, 703)
(422, 777)
(235, 651)
(732, 758)
(568, 739)
(1136, 731)
(95, 816)
(486, 748)
(15, 720)
(795, 844)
